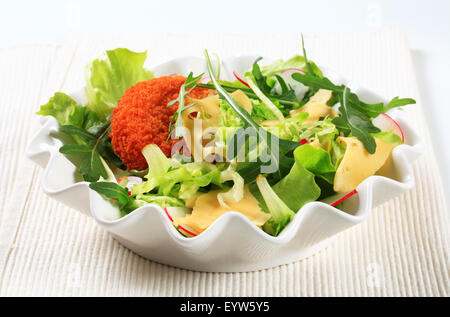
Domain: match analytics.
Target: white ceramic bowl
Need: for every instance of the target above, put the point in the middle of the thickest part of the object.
(232, 243)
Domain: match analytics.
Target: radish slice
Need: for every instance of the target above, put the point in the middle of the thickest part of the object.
(386, 123)
(290, 71)
(179, 212)
(134, 180)
(241, 80)
(341, 200)
(303, 141)
(299, 89)
(131, 181)
(204, 80)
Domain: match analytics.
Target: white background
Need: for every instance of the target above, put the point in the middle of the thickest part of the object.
(426, 22)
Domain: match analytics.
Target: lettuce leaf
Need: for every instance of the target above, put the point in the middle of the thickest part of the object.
(64, 109)
(190, 186)
(337, 152)
(261, 112)
(229, 118)
(296, 61)
(290, 128)
(91, 136)
(172, 178)
(108, 78)
(388, 136)
(281, 201)
(163, 201)
(281, 214)
(298, 187)
(316, 160)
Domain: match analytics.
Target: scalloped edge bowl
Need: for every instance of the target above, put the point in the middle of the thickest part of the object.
(232, 243)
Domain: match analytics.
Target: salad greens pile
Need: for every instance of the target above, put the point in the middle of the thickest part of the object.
(89, 125)
(305, 151)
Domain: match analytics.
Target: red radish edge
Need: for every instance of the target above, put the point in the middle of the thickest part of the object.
(398, 126)
(191, 233)
(296, 69)
(179, 226)
(303, 141)
(350, 194)
(242, 81)
(168, 215)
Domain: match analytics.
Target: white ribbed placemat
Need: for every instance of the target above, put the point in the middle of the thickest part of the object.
(46, 249)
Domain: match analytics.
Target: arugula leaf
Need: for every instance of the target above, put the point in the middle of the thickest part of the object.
(97, 128)
(355, 116)
(309, 67)
(341, 125)
(284, 87)
(111, 190)
(91, 167)
(284, 146)
(287, 93)
(374, 110)
(359, 126)
(119, 196)
(310, 80)
(233, 86)
(397, 102)
(260, 79)
(260, 87)
(106, 150)
(75, 149)
(177, 127)
(276, 111)
(73, 130)
(91, 135)
(352, 118)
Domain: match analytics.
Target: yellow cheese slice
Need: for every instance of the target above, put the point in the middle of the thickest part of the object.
(208, 110)
(207, 209)
(357, 164)
(242, 99)
(317, 107)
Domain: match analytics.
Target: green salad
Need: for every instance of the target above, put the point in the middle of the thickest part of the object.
(264, 144)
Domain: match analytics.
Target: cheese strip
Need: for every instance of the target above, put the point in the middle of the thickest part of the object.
(207, 209)
(208, 111)
(317, 107)
(357, 164)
